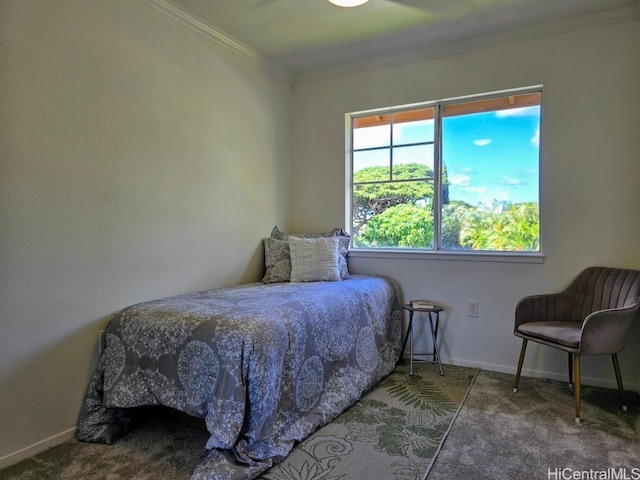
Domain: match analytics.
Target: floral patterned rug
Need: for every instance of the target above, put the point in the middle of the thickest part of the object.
(392, 433)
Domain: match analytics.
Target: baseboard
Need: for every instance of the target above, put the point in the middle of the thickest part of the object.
(36, 448)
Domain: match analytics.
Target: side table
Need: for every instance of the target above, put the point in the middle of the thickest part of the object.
(432, 310)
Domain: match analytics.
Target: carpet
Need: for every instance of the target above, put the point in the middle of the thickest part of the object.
(393, 433)
(532, 434)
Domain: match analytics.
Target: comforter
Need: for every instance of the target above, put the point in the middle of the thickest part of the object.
(264, 365)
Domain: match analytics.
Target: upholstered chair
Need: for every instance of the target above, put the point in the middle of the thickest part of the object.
(589, 317)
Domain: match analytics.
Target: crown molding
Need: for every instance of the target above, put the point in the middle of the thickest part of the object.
(530, 32)
(414, 55)
(220, 37)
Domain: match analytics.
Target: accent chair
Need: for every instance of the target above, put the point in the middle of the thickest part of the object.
(589, 317)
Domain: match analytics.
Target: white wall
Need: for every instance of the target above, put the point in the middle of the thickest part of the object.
(590, 175)
(138, 159)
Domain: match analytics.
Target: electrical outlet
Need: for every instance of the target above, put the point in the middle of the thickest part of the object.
(472, 309)
(101, 341)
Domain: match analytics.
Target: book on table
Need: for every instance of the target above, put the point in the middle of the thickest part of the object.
(421, 304)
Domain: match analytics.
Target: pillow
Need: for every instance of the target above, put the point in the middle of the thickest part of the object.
(276, 261)
(315, 259)
(343, 237)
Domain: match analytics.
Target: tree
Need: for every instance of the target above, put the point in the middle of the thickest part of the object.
(453, 216)
(397, 211)
(502, 227)
(412, 185)
(403, 225)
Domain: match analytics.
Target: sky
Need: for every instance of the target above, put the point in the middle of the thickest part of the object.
(492, 156)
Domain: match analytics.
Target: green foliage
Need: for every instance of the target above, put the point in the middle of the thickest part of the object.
(372, 199)
(504, 227)
(399, 214)
(408, 226)
(452, 215)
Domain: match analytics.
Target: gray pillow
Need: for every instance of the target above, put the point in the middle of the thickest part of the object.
(315, 259)
(343, 237)
(276, 260)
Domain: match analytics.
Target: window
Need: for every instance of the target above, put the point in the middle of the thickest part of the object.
(452, 175)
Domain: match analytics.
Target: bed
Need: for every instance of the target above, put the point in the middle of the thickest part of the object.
(264, 364)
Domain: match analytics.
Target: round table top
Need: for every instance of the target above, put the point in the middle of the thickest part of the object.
(422, 308)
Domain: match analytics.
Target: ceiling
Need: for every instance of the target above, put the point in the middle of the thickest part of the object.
(307, 35)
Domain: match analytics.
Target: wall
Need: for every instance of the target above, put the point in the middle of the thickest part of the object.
(138, 159)
(590, 171)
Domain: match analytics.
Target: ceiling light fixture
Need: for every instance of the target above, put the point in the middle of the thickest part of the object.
(348, 3)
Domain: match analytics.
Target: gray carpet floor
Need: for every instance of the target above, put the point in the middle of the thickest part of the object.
(532, 434)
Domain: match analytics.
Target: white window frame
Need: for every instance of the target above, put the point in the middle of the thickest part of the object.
(437, 252)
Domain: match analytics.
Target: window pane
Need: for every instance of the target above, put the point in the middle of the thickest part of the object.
(371, 132)
(371, 165)
(491, 160)
(413, 162)
(413, 126)
(395, 214)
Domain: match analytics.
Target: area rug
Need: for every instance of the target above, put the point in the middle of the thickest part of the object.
(394, 432)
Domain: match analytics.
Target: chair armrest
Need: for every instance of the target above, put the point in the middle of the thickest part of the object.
(605, 331)
(541, 308)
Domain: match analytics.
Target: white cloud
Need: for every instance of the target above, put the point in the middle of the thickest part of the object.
(519, 112)
(368, 136)
(481, 142)
(506, 180)
(462, 180)
(535, 140)
(481, 189)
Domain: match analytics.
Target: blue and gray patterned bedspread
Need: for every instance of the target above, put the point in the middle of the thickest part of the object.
(264, 365)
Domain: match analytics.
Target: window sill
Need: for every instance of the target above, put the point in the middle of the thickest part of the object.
(508, 257)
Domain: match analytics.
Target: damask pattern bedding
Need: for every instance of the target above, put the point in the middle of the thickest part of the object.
(264, 365)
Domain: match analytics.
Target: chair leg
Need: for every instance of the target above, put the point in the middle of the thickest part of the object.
(520, 361)
(570, 357)
(616, 367)
(576, 367)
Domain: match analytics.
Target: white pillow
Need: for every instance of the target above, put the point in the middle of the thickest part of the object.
(315, 259)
